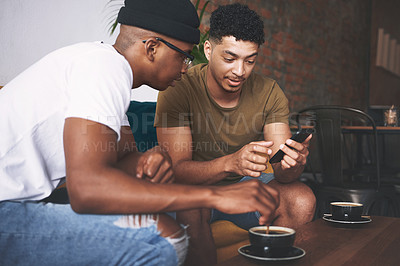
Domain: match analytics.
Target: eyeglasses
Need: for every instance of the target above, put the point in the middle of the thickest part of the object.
(188, 57)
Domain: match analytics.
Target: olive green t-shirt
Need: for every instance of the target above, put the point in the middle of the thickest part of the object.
(218, 131)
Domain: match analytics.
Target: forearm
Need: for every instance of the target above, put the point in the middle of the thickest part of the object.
(128, 162)
(201, 173)
(111, 191)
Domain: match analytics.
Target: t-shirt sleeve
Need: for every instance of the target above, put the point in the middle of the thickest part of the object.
(277, 107)
(173, 107)
(99, 87)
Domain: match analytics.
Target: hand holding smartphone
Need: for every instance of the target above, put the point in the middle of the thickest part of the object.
(299, 136)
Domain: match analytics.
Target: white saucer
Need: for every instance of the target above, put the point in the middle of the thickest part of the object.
(250, 252)
(363, 220)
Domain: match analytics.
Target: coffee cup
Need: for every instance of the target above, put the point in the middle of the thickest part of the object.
(276, 240)
(346, 210)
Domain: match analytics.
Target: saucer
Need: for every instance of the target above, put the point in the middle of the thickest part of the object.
(250, 251)
(362, 220)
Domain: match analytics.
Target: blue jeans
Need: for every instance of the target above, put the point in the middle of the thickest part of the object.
(244, 220)
(53, 234)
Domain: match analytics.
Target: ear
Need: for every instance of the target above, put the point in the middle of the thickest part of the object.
(150, 48)
(207, 49)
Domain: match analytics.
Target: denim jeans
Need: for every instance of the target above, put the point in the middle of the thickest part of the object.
(53, 234)
(244, 220)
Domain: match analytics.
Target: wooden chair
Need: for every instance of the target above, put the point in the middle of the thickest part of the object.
(350, 168)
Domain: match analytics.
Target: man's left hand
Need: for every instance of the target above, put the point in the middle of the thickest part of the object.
(295, 153)
(156, 166)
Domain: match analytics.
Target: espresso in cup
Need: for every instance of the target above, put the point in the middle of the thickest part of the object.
(271, 232)
(346, 210)
(272, 239)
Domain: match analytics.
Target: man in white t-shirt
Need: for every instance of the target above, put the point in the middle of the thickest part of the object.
(63, 120)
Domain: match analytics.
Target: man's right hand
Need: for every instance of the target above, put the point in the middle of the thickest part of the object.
(248, 196)
(250, 160)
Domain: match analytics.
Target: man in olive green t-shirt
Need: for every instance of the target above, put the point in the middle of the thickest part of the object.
(221, 122)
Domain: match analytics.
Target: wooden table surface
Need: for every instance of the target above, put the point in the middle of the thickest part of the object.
(326, 243)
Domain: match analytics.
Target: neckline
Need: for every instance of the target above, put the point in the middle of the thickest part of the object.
(213, 100)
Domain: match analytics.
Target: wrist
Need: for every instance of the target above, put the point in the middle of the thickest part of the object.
(226, 164)
(210, 197)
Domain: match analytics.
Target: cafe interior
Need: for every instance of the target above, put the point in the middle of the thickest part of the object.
(338, 63)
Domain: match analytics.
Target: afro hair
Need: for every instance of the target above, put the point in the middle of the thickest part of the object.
(236, 20)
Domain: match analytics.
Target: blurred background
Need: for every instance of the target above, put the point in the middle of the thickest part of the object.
(319, 51)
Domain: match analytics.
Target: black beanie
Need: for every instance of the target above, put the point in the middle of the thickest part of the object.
(174, 18)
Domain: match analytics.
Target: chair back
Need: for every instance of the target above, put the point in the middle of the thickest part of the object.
(336, 147)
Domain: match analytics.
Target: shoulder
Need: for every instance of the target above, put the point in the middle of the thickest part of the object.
(188, 90)
(264, 87)
(98, 67)
(262, 82)
(99, 60)
(191, 83)
(265, 93)
(97, 52)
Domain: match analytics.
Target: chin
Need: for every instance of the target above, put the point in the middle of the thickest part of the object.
(231, 89)
(160, 88)
(157, 87)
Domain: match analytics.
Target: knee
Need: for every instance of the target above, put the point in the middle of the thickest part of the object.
(168, 226)
(303, 200)
(297, 200)
(175, 235)
(194, 217)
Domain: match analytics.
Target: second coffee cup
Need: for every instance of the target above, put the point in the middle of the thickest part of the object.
(346, 210)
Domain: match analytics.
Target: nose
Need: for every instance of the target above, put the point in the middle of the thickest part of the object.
(238, 68)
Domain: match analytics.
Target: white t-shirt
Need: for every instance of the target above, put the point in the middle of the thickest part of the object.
(87, 80)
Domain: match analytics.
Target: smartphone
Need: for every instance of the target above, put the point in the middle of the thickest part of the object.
(299, 136)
